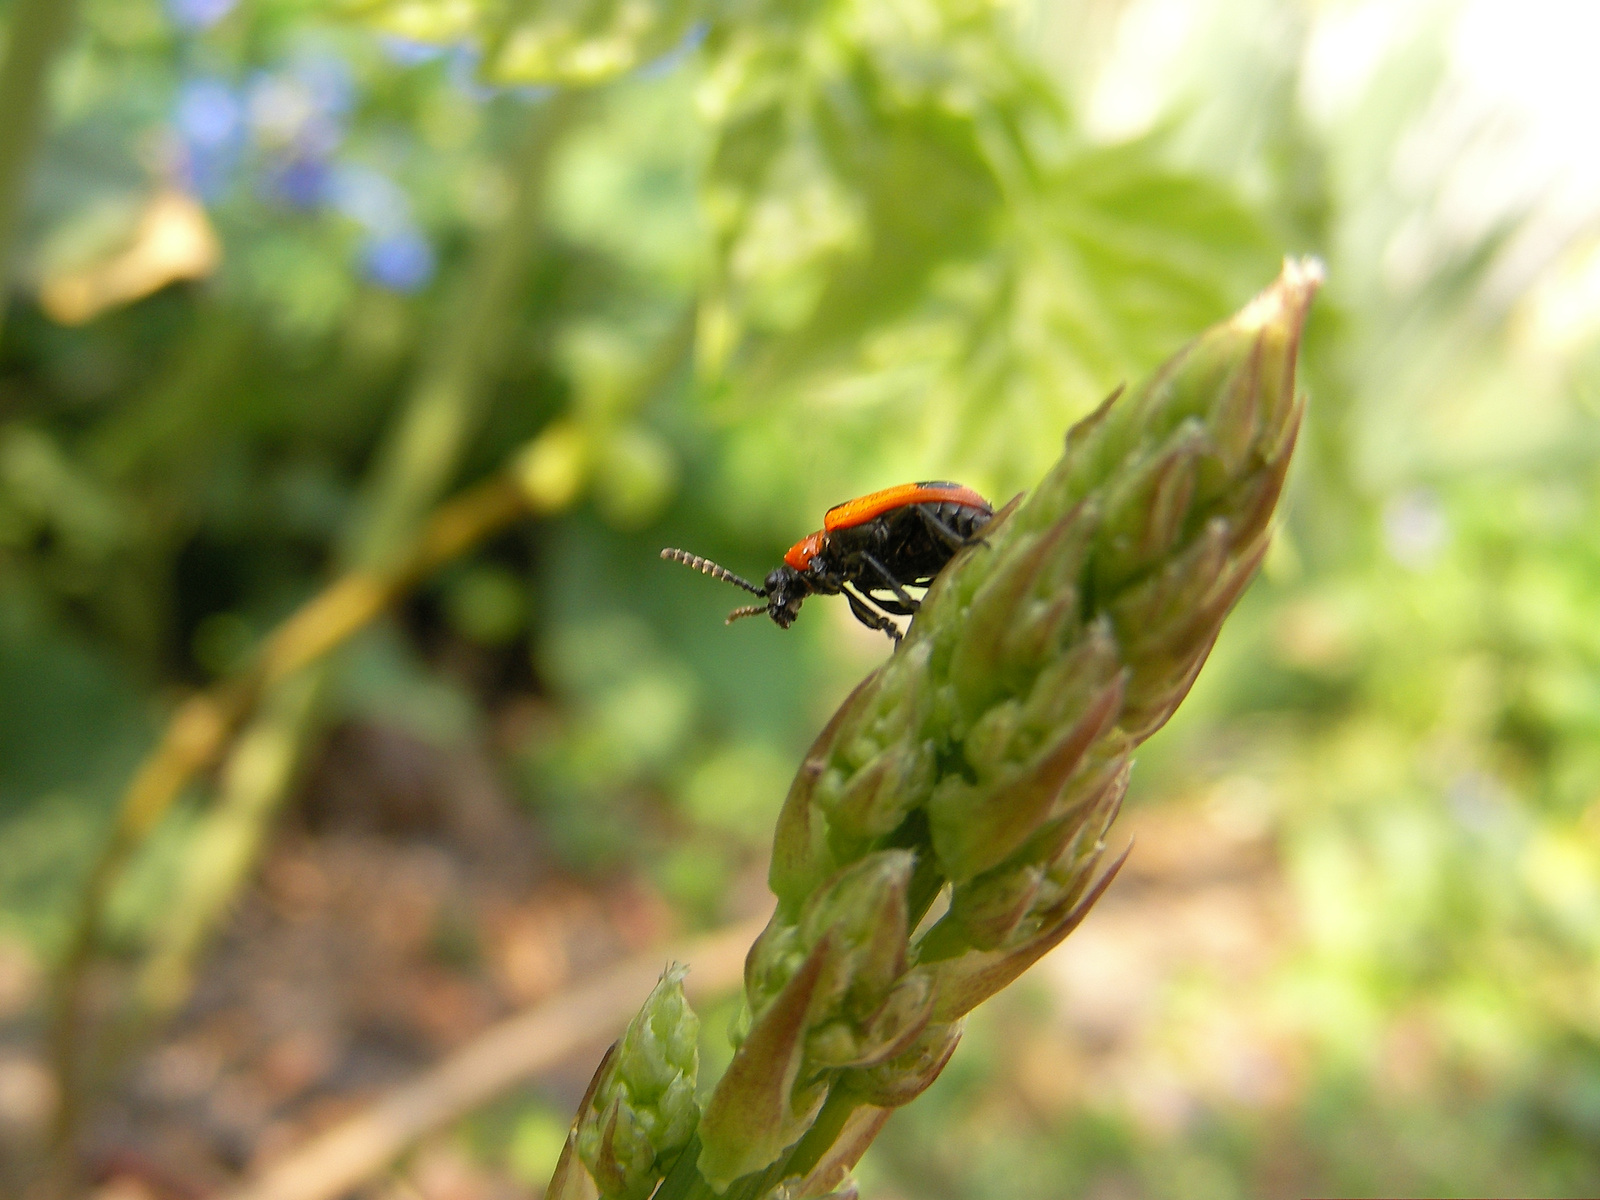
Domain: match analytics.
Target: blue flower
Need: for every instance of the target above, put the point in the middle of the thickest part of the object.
(303, 109)
(402, 261)
(209, 121)
(330, 81)
(302, 182)
(208, 113)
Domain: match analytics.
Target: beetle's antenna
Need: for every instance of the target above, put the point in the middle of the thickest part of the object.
(706, 567)
(749, 610)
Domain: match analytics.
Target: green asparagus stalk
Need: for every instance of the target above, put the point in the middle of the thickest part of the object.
(984, 762)
(641, 1107)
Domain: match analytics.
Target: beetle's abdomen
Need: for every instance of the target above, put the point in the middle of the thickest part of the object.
(902, 541)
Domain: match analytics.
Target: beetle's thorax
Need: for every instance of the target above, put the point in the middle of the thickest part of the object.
(800, 554)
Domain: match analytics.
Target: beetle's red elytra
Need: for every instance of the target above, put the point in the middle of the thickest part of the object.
(865, 508)
(885, 541)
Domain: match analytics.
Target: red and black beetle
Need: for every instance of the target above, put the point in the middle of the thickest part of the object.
(884, 542)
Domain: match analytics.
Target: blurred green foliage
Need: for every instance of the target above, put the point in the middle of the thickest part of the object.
(915, 238)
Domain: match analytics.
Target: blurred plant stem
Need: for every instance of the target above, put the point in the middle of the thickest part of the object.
(415, 464)
(36, 34)
(383, 558)
(422, 452)
(203, 725)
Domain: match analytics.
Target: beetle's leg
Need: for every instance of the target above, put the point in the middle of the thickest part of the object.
(893, 584)
(944, 533)
(893, 607)
(871, 619)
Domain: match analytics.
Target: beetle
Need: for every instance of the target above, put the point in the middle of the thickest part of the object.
(886, 541)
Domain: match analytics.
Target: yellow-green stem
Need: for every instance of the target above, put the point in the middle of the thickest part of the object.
(416, 464)
(39, 30)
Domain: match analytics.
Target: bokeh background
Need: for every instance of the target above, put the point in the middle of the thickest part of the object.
(289, 274)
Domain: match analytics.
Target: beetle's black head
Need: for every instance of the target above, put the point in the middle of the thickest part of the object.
(783, 591)
(785, 588)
